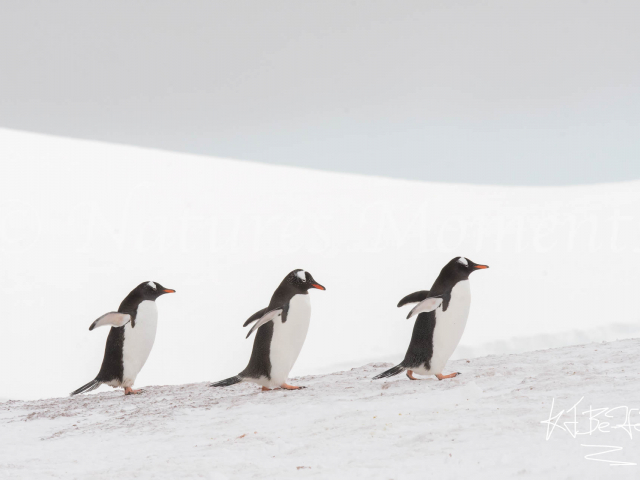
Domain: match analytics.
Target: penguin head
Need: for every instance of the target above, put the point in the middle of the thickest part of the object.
(459, 268)
(301, 280)
(151, 290)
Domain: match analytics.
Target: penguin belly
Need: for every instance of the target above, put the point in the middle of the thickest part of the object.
(138, 341)
(287, 340)
(450, 325)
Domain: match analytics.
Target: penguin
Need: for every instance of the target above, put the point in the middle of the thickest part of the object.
(133, 331)
(442, 316)
(281, 329)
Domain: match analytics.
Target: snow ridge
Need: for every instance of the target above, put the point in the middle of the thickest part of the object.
(485, 423)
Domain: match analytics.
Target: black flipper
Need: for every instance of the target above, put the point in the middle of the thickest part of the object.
(92, 385)
(415, 297)
(227, 381)
(256, 316)
(114, 319)
(269, 316)
(391, 372)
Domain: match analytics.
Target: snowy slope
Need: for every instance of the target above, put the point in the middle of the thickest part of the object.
(82, 223)
(485, 423)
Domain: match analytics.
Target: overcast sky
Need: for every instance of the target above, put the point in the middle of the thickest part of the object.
(504, 92)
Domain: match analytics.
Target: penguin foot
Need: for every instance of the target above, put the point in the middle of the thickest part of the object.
(439, 376)
(131, 391)
(410, 375)
(290, 387)
(265, 389)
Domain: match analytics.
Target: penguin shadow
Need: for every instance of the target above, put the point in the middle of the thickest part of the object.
(422, 380)
(252, 391)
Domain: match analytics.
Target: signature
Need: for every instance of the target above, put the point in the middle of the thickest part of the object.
(594, 420)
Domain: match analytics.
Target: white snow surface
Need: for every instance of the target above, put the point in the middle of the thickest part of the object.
(483, 424)
(78, 232)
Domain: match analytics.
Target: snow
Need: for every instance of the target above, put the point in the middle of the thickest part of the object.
(485, 423)
(77, 234)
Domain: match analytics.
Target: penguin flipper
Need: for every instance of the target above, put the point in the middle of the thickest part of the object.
(267, 317)
(255, 316)
(92, 385)
(391, 372)
(115, 319)
(227, 381)
(429, 304)
(414, 297)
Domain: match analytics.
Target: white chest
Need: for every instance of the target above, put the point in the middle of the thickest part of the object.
(138, 341)
(288, 338)
(450, 325)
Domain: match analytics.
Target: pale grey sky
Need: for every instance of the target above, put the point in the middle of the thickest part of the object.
(505, 92)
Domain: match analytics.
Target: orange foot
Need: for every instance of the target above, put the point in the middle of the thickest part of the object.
(131, 391)
(290, 387)
(439, 376)
(265, 389)
(410, 375)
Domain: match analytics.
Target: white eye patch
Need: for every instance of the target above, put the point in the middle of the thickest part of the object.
(463, 261)
(152, 285)
(301, 275)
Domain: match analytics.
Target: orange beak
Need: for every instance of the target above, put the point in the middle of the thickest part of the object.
(482, 266)
(318, 286)
(168, 290)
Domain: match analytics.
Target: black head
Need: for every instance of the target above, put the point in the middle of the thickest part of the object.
(301, 281)
(150, 290)
(460, 268)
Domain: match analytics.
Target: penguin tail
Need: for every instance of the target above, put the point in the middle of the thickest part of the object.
(227, 381)
(92, 385)
(391, 372)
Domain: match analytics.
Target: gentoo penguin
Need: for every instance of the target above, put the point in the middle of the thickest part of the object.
(442, 315)
(281, 331)
(133, 331)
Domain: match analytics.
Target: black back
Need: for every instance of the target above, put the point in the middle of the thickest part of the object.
(259, 364)
(112, 367)
(420, 348)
